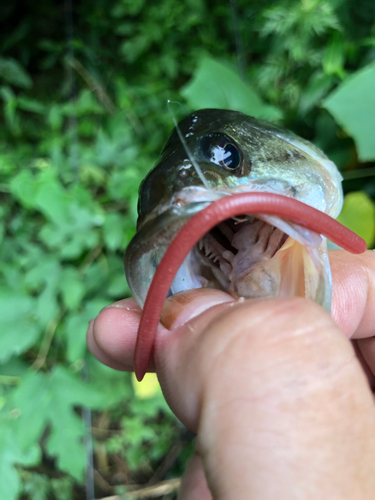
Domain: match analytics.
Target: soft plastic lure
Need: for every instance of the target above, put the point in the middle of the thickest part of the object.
(257, 228)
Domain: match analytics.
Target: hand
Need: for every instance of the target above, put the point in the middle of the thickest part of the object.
(281, 405)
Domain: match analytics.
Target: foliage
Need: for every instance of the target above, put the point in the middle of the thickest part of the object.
(353, 106)
(83, 95)
(217, 86)
(358, 214)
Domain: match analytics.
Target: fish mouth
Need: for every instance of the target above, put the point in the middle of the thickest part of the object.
(230, 255)
(274, 252)
(256, 256)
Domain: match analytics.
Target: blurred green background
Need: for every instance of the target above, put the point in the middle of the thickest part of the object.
(83, 91)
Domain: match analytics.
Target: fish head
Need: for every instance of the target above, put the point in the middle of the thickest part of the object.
(215, 153)
(237, 152)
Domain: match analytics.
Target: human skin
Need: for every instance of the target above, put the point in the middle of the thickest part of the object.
(281, 404)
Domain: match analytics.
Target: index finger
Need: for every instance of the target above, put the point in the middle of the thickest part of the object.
(353, 301)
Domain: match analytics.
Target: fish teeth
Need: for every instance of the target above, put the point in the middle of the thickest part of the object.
(228, 255)
(226, 269)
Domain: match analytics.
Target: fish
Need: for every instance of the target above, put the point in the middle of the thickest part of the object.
(216, 154)
(251, 256)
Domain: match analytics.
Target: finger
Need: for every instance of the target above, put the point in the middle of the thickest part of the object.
(99, 353)
(271, 386)
(353, 307)
(112, 335)
(353, 301)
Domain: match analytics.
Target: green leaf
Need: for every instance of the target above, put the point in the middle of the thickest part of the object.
(31, 105)
(86, 103)
(114, 384)
(113, 230)
(317, 88)
(46, 272)
(118, 287)
(333, 58)
(29, 401)
(55, 117)
(18, 328)
(11, 455)
(358, 214)
(352, 105)
(72, 288)
(23, 188)
(45, 278)
(76, 327)
(13, 73)
(10, 109)
(50, 400)
(216, 85)
(7, 165)
(52, 200)
(74, 233)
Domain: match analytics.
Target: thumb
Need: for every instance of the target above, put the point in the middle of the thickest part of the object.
(277, 398)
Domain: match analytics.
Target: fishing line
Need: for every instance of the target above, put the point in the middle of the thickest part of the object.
(238, 39)
(87, 438)
(188, 152)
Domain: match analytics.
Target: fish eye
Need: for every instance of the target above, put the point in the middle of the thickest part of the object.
(231, 157)
(221, 150)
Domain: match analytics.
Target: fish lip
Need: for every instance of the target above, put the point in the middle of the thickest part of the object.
(190, 195)
(192, 199)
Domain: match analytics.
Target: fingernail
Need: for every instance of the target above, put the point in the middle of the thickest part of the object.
(184, 306)
(121, 306)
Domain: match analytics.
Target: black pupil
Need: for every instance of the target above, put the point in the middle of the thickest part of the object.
(219, 149)
(231, 157)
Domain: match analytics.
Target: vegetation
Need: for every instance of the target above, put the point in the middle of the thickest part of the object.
(84, 89)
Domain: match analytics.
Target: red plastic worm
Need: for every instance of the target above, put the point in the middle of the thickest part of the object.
(202, 222)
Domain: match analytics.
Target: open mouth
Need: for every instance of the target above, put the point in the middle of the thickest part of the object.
(237, 250)
(219, 239)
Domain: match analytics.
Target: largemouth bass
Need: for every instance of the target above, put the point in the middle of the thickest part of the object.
(248, 255)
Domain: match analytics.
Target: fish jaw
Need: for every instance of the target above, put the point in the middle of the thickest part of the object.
(260, 268)
(297, 266)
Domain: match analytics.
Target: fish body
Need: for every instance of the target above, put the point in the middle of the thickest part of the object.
(254, 255)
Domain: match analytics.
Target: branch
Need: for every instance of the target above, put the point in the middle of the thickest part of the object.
(158, 490)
